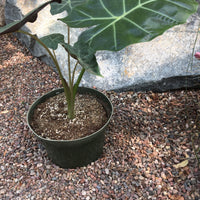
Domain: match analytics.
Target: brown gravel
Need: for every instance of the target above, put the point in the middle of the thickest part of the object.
(148, 136)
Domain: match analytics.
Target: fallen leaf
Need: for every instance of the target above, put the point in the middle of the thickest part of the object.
(5, 111)
(186, 155)
(182, 164)
(175, 197)
(4, 153)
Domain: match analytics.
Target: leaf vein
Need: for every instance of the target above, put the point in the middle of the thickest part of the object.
(172, 2)
(115, 36)
(123, 16)
(159, 13)
(135, 24)
(103, 5)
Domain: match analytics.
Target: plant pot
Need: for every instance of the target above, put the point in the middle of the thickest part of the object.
(79, 152)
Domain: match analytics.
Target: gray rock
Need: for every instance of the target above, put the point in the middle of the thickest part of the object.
(2, 18)
(12, 13)
(166, 84)
(162, 64)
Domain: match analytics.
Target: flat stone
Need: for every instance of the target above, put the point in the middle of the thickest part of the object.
(2, 191)
(164, 63)
(2, 18)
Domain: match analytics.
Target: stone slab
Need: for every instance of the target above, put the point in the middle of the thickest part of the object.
(138, 67)
(2, 17)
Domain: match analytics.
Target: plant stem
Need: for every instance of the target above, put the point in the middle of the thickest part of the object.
(71, 89)
(64, 83)
(73, 75)
(78, 82)
(193, 49)
(71, 102)
(69, 62)
(71, 106)
(196, 151)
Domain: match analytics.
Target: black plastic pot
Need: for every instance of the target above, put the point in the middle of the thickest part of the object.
(79, 152)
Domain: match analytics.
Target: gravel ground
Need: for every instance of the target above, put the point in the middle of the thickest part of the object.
(148, 152)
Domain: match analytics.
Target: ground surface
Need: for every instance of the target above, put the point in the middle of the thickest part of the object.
(149, 136)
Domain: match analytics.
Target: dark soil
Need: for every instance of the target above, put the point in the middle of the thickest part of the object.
(50, 119)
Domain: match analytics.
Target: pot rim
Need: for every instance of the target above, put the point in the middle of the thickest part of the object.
(33, 105)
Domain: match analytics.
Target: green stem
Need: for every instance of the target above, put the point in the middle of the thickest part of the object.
(71, 102)
(71, 109)
(193, 49)
(69, 90)
(73, 75)
(69, 61)
(196, 151)
(78, 82)
(64, 83)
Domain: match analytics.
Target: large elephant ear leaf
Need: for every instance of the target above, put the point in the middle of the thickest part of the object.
(116, 24)
(30, 17)
(65, 5)
(59, 8)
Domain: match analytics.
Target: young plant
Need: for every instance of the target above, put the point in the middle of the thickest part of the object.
(114, 24)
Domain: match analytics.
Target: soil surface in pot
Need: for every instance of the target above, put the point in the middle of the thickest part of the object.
(50, 118)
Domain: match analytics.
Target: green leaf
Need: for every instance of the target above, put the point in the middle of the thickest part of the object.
(87, 59)
(65, 5)
(52, 41)
(85, 56)
(59, 8)
(81, 52)
(30, 17)
(116, 24)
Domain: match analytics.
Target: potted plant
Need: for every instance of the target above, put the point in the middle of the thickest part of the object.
(114, 24)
